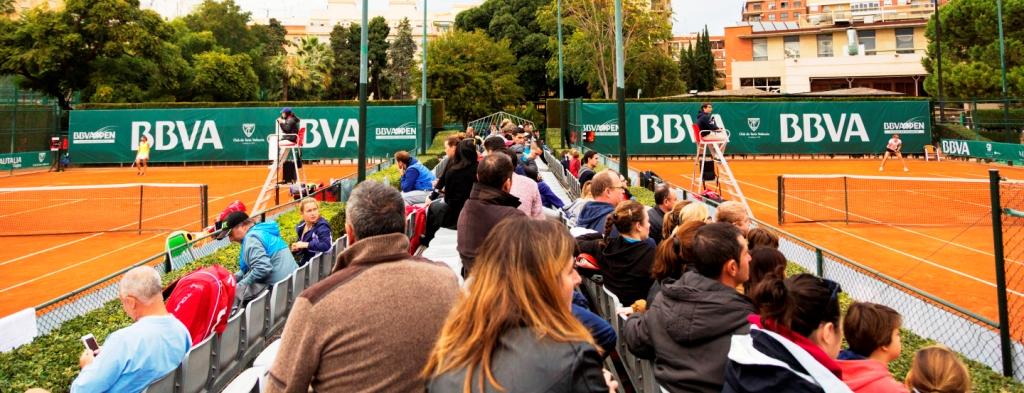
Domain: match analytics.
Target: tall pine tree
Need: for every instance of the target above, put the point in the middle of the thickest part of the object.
(697, 64)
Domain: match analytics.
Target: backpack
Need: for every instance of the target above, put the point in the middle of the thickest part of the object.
(202, 300)
(418, 227)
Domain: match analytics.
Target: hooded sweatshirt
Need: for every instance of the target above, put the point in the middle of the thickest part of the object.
(265, 257)
(625, 265)
(869, 376)
(594, 215)
(687, 331)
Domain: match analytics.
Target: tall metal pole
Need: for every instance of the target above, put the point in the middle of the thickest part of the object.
(562, 110)
(362, 94)
(1001, 300)
(620, 89)
(423, 87)
(1002, 61)
(938, 55)
(561, 86)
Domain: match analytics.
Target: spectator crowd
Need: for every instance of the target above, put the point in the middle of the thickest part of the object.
(706, 297)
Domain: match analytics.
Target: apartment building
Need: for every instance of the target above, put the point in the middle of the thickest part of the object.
(837, 44)
(774, 10)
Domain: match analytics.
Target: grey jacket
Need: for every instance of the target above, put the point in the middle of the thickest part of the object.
(524, 364)
(687, 332)
(263, 268)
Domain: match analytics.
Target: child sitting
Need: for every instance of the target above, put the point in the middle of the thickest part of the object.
(873, 332)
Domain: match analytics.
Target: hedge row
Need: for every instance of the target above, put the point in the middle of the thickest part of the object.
(51, 361)
(993, 119)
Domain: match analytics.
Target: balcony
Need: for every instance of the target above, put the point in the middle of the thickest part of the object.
(797, 73)
(833, 18)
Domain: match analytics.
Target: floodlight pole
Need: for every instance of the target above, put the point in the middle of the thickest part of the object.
(620, 90)
(423, 87)
(1002, 61)
(362, 95)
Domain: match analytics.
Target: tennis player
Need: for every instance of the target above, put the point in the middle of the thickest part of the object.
(892, 149)
(142, 157)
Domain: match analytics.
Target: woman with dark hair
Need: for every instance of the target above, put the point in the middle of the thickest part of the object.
(513, 331)
(793, 341)
(625, 260)
(673, 257)
(455, 184)
(765, 262)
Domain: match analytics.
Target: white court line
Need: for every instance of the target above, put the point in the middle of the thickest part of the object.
(101, 255)
(101, 233)
(41, 208)
(876, 243)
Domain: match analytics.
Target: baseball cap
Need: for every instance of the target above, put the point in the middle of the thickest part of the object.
(230, 223)
(286, 110)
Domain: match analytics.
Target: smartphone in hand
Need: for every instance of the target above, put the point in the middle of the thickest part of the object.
(90, 343)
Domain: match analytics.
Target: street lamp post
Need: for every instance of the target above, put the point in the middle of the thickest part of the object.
(1002, 61)
(620, 90)
(424, 129)
(938, 56)
(362, 95)
(563, 121)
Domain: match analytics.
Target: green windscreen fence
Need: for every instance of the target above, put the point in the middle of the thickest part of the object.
(235, 134)
(769, 127)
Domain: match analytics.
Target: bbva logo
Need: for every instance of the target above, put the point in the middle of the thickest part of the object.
(815, 127)
(167, 134)
(960, 148)
(669, 128)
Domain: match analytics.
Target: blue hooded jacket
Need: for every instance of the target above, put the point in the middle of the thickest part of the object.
(594, 215)
(278, 263)
(417, 177)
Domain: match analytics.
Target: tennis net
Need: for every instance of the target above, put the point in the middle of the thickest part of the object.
(102, 208)
(884, 200)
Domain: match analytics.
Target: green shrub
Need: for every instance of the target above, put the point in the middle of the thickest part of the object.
(954, 131)
(431, 162)
(1004, 136)
(992, 119)
(642, 195)
(437, 146)
(390, 176)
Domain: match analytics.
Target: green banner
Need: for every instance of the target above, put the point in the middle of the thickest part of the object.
(982, 149)
(812, 127)
(234, 134)
(30, 159)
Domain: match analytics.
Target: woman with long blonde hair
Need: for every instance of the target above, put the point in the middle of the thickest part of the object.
(513, 331)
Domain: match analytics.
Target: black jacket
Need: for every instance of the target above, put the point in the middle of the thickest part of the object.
(626, 266)
(457, 184)
(657, 219)
(525, 364)
(765, 362)
(290, 125)
(686, 330)
(486, 207)
(706, 122)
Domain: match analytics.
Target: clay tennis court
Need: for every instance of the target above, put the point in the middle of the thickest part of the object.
(36, 269)
(953, 261)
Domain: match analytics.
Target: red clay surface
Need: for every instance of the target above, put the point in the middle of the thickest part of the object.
(36, 269)
(954, 262)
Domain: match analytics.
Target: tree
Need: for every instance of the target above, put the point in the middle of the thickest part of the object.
(308, 72)
(60, 52)
(473, 74)
(223, 77)
(345, 71)
(590, 48)
(377, 54)
(970, 51)
(401, 64)
(226, 21)
(270, 44)
(697, 64)
(516, 21)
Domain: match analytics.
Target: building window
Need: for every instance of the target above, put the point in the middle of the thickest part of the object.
(771, 5)
(796, 16)
(755, 18)
(797, 4)
(792, 46)
(782, 4)
(812, 8)
(771, 84)
(784, 16)
(824, 45)
(867, 38)
(905, 40)
(760, 49)
(771, 16)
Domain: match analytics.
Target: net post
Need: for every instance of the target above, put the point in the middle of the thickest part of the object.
(204, 211)
(819, 266)
(846, 200)
(780, 204)
(141, 188)
(997, 240)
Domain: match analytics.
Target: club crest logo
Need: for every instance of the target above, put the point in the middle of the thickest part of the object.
(42, 157)
(248, 129)
(754, 123)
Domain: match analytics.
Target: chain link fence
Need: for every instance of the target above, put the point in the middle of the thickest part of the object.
(52, 314)
(1011, 204)
(27, 120)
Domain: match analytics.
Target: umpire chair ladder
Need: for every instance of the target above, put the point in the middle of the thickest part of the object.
(722, 172)
(284, 150)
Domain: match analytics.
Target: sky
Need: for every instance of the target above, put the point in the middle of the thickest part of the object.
(689, 15)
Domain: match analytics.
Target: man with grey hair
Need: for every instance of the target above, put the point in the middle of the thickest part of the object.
(264, 259)
(136, 356)
(371, 324)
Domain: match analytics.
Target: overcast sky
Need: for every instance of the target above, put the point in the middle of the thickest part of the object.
(689, 15)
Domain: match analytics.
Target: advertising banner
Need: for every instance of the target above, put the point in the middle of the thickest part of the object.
(31, 159)
(982, 149)
(235, 134)
(812, 127)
